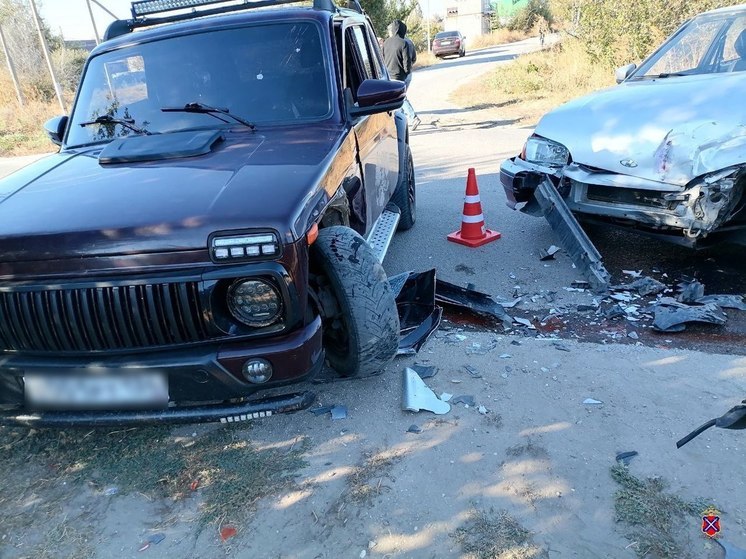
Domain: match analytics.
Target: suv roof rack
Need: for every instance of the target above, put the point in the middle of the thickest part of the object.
(142, 8)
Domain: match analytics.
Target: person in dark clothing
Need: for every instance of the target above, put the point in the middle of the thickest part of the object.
(396, 52)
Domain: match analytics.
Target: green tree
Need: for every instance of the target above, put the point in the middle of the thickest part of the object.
(383, 12)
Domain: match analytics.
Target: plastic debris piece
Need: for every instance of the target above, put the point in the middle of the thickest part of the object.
(580, 284)
(482, 410)
(690, 291)
(592, 402)
(626, 457)
(623, 297)
(643, 286)
(417, 396)
(549, 253)
(724, 301)
(321, 410)
(515, 342)
(425, 371)
(194, 485)
(523, 321)
(339, 412)
(156, 538)
(632, 273)
(633, 335)
(414, 429)
(470, 299)
(419, 316)
(227, 532)
(467, 400)
(614, 312)
(505, 356)
(143, 547)
(560, 346)
(511, 304)
(472, 371)
(445, 396)
(674, 319)
(109, 491)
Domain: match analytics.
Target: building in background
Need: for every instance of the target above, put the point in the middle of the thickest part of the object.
(470, 17)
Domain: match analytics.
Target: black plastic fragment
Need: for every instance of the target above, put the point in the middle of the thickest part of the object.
(463, 399)
(464, 298)
(414, 429)
(734, 418)
(643, 286)
(419, 316)
(472, 371)
(674, 319)
(690, 291)
(425, 371)
(626, 457)
(724, 301)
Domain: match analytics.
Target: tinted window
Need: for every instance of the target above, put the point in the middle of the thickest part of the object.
(444, 34)
(266, 73)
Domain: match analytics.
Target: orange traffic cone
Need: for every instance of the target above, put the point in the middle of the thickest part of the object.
(473, 232)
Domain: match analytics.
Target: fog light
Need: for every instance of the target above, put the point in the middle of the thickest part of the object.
(257, 370)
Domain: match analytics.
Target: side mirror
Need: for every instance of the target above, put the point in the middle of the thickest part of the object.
(376, 96)
(624, 72)
(55, 128)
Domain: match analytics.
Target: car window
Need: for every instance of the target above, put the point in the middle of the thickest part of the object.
(687, 51)
(264, 73)
(444, 34)
(364, 51)
(358, 64)
(737, 27)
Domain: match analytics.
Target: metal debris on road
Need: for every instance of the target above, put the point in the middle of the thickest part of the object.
(626, 457)
(724, 301)
(425, 371)
(472, 371)
(339, 412)
(417, 396)
(414, 429)
(674, 319)
(464, 399)
(690, 291)
(549, 253)
(643, 286)
(592, 402)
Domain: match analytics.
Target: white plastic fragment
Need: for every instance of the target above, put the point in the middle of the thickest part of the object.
(417, 396)
(482, 410)
(592, 402)
(445, 396)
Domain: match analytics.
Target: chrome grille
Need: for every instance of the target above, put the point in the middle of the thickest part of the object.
(101, 318)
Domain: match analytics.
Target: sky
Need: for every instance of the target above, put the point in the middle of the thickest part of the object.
(70, 18)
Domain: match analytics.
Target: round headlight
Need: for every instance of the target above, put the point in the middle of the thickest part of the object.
(255, 303)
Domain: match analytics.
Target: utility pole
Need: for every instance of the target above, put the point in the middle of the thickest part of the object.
(45, 48)
(11, 68)
(93, 21)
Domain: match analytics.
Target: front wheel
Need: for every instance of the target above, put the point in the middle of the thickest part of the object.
(358, 309)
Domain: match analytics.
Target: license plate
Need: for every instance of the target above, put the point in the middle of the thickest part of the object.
(446, 43)
(104, 390)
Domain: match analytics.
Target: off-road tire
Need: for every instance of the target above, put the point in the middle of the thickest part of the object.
(405, 195)
(363, 337)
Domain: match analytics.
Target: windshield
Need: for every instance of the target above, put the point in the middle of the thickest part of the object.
(265, 73)
(706, 45)
(446, 34)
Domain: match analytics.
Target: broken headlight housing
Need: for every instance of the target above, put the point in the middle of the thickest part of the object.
(545, 152)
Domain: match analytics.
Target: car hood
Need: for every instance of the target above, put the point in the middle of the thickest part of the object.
(71, 205)
(668, 130)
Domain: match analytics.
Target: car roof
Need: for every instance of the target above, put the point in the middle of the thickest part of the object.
(207, 23)
(738, 8)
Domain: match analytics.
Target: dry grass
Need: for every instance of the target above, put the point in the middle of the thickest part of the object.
(654, 515)
(496, 535)
(497, 37)
(535, 83)
(366, 480)
(21, 127)
(425, 59)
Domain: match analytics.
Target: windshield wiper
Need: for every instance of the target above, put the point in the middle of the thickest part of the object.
(107, 119)
(208, 110)
(664, 75)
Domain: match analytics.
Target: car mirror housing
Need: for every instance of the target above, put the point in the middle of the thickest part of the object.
(377, 96)
(55, 128)
(624, 72)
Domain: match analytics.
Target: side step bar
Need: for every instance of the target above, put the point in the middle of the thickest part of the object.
(383, 231)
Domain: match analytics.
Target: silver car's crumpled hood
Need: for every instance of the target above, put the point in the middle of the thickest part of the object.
(668, 130)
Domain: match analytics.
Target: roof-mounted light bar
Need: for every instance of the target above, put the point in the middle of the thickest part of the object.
(150, 7)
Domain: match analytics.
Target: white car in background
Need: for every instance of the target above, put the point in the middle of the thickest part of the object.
(663, 152)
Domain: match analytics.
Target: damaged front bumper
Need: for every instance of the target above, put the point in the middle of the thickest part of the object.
(687, 215)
